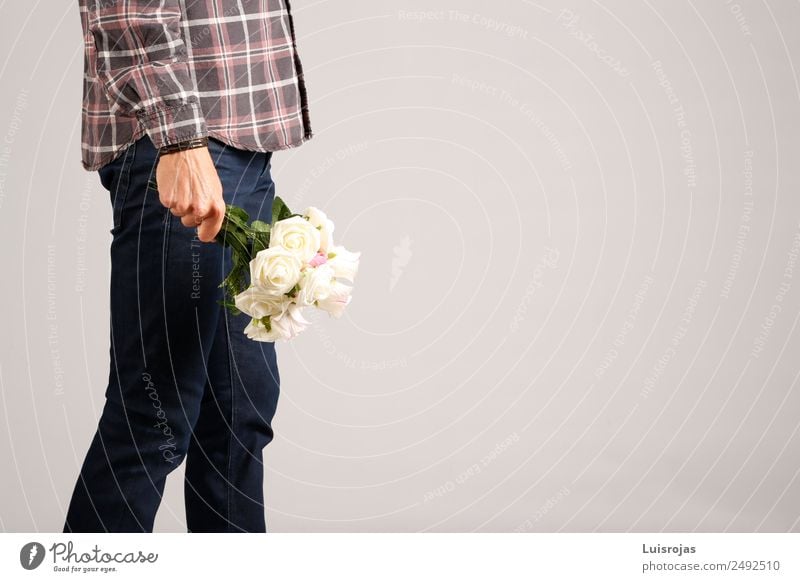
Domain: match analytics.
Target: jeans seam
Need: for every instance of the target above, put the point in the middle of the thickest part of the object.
(228, 477)
(123, 185)
(267, 161)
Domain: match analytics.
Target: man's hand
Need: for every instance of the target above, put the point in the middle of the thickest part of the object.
(188, 184)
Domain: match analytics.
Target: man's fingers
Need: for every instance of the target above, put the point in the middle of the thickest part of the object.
(209, 229)
(181, 208)
(190, 220)
(166, 197)
(203, 209)
(178, 203)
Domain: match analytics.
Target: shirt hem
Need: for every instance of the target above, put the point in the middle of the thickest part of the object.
(89, 167)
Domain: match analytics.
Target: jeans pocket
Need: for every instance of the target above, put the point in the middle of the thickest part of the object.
(115, 177)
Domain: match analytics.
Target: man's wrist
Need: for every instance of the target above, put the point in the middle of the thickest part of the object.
(196, 142)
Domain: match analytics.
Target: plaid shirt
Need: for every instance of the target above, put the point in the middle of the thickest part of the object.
(179, 69)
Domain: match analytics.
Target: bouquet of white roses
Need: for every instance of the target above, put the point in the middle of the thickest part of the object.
(292, 264)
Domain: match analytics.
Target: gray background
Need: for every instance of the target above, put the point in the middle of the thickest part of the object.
(578, 296)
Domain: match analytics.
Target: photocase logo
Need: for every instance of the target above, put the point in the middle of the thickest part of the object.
(31, 555)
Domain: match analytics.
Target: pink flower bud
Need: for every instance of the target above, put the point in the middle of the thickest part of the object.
(319, 259)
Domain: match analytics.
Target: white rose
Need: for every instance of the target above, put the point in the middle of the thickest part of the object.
(315, 284)
(296, 235)
(338, 298)
(282, 327)
(276, 270)
(344, 263)
(257, 302)
(257, 331)
(290, 323)
(321, 222)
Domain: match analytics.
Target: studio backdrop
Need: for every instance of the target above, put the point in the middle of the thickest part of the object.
(578, 297)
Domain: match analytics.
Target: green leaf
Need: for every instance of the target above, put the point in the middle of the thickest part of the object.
(279, 210)
(260, 242)
(237, 240)
(230, 305)
(260, 226)
(237, 213)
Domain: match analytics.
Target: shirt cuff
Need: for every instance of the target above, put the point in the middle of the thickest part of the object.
(174, 123)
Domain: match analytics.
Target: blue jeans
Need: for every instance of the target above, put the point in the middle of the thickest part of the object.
(184, 381)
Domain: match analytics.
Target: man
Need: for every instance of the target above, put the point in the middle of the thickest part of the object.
(193, 95)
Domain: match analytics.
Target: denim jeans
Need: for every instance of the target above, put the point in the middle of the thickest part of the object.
(184, 381)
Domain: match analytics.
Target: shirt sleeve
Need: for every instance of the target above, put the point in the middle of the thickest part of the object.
(142, 65)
